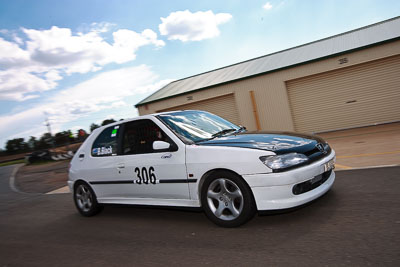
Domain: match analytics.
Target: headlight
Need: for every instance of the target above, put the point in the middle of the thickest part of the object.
(284, 161)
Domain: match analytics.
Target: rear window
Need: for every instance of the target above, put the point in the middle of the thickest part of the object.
(106, 143)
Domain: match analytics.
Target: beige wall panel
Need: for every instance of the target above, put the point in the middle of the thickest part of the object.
(223, 106)
(270, 89)
(360, 95)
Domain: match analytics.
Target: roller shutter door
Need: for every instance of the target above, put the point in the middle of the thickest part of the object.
(355, 96)
(223, 106)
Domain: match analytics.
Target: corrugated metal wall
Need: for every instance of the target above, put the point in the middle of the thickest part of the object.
(223, 106)
(271, 92)
(360, 95)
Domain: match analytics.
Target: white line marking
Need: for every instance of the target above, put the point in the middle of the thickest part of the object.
(12, 179)
(368, 167)
(343, 166)
(62, 190)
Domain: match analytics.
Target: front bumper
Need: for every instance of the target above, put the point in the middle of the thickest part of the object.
(274, 191)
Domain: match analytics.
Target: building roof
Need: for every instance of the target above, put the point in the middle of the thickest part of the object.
(374, 34)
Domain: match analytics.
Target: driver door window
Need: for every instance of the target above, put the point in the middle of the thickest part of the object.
(140, 135)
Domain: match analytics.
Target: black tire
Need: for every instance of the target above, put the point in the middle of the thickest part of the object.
(85, 200)
(227, 200)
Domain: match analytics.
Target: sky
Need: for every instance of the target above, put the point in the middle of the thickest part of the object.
(74, 63)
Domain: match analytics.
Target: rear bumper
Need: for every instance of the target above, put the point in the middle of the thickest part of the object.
(71, 185)
(274, 191)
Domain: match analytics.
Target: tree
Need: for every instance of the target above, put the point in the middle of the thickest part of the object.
(45, 141)
(107, 121)
(17, 145)
(62, 138)
(33, 143)
(93, 126)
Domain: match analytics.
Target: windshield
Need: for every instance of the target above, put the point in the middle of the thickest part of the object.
(195, 126)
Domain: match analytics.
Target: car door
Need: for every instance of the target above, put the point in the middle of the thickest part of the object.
(98, 163)
(159, 174)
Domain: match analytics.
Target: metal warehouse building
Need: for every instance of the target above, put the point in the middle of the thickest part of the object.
(344, 81)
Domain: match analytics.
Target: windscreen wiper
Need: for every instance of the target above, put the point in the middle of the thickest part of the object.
(241, 129)
(225, 131)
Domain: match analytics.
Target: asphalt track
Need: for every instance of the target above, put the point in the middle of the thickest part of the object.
(356, 224)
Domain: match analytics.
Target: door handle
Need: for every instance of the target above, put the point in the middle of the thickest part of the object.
(81, 156)
(120, 165)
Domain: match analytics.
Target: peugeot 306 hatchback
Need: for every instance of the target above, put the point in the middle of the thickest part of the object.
(197, 159)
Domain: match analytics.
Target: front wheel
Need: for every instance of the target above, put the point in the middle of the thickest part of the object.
(227, 200)
(85, 200)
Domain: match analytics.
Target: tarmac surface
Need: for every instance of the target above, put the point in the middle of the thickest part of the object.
(357, 223)
(42, 178)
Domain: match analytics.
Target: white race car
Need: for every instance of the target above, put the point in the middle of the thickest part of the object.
(197, 159)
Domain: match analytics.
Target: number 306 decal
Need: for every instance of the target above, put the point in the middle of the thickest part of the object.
(144, 176)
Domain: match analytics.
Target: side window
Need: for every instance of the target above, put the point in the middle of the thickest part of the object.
(106, 143)
(139, 137)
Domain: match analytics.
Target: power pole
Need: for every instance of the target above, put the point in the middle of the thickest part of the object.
(49, 130)
(48, 125)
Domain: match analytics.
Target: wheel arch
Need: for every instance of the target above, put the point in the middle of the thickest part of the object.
(81, 181)
(211, 172)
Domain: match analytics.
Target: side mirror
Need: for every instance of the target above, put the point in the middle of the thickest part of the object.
(160, 145)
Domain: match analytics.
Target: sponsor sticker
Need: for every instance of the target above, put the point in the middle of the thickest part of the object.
(166, 156)
(102, 151)
(115, 131)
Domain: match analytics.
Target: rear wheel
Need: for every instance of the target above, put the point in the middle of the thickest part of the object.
(227, 200)
(85, 200)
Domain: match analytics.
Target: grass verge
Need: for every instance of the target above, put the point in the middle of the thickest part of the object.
(12, 162)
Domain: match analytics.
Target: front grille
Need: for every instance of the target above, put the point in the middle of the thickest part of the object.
(315, 154)
(311, 184)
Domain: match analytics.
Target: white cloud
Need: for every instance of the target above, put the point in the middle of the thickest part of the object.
(17, 39)
(119, 104)
(51, 54)
(101, 26)
(267, 6)
(82, 53)
(12, 55)
(105, 91)
(188, 26)
(126, 41)
(20, 85)
(153, 87)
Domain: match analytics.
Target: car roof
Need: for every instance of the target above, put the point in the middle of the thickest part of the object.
(147, 116)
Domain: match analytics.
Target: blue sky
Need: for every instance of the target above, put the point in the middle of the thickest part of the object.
(78, 62)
